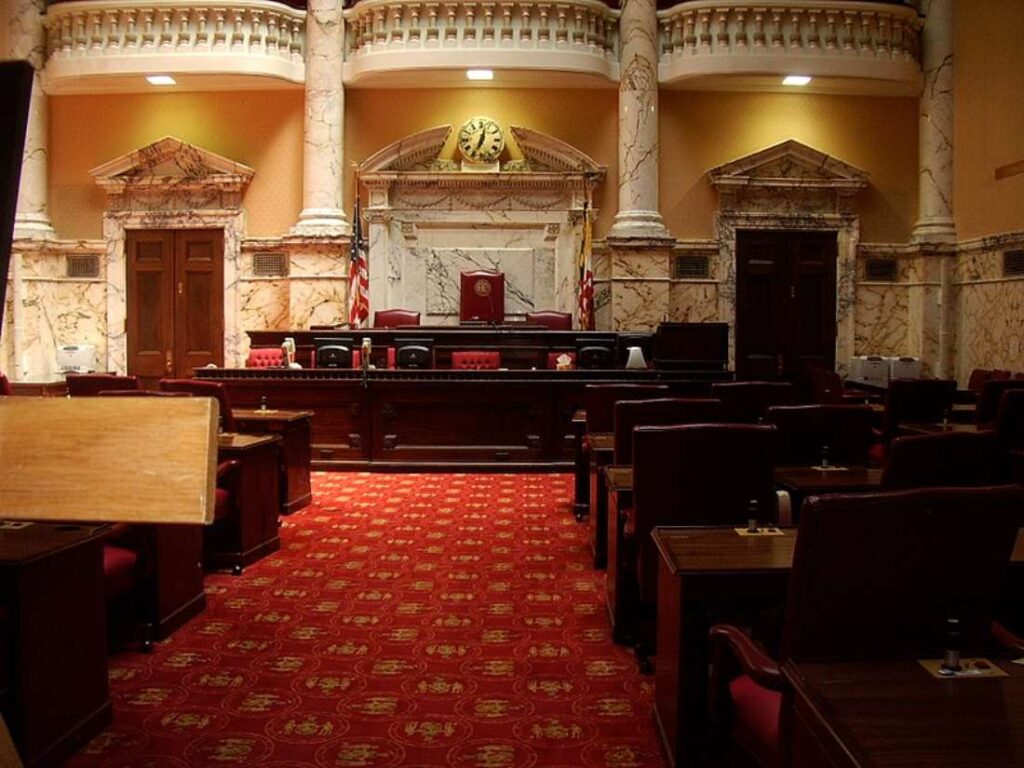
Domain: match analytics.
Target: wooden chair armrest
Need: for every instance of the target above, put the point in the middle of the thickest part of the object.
(762, 669)
(1006, 638)
(225, 468)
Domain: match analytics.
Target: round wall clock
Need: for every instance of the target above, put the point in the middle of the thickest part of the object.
(481, 140)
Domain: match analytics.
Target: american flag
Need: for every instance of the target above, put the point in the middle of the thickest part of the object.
(586, 297)
(358, 274)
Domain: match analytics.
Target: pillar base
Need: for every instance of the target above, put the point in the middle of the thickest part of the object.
(928, 231)
(322, 222)
(639, 225)
(33, 226)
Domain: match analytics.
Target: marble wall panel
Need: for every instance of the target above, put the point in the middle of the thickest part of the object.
(263, 304)
(529, 277)
(317, 302)
(693, 302)
(53, 313)
(640, 264)
(991, 327)
(638, 305)
(881, 320)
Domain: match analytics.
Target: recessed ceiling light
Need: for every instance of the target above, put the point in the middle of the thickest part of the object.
(796, 80)
(161, 80)
(480, 74)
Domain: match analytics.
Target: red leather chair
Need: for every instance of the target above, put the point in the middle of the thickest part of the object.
(945, 459)
(991, 394)
(550, 319)
(837, 609)
(479, 360)
(1010, 436)
(658, 412)
(907, 401)
(599, 401)
(978, 377)
(91, 384)
(201, 388)
(482, 296)
(392, 318)
(6, 390)
(827, 389)
(745, 402)
(698, 474)
(265, 357)
(806, 430)
(357, 358)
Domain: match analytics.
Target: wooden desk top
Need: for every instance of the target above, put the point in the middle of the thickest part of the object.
(22, 543)
(241, 442)
(722, 550)
(931, 429)
(270, 414)
(601, 442)
(812, 480)
(579, 416)
(895, 715)
(618, 478)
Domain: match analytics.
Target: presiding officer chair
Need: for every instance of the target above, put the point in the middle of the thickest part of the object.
(874, 577)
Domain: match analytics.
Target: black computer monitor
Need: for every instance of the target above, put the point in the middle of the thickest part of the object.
(414, 353)
(333, 352)
(595, 353)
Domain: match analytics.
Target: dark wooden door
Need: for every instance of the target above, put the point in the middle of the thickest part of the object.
(175, 301)
(785, 302)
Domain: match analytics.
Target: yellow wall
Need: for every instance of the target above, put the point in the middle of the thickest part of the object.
(262, 129)
(989, 110)
(585, 119)
(702, 130)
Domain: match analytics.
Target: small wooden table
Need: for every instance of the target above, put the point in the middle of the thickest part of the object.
(240, 539)
(602, 447)
(581, 504)
(620, 599)
(894, 714)
(294, 429)
(51, 584)
(802, 482)
(700, 568)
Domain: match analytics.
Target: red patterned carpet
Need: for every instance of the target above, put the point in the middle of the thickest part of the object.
(409, 620)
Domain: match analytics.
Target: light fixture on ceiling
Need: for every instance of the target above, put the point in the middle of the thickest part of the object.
(796, 80)
(479, 74)
(161, 80)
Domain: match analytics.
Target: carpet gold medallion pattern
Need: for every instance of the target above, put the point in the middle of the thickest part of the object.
(422, 621)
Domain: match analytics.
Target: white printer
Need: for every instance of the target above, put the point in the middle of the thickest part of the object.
(904, 367)
(872, 369)
(76, 358)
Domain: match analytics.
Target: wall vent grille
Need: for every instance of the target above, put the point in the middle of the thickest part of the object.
(1013, 263)
(690, 267)
(270, 264)
(83, 266)
(880, 270)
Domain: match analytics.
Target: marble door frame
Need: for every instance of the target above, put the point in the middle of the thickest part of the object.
(847, 229)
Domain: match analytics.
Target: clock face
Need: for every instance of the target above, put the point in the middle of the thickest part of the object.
(481, 140)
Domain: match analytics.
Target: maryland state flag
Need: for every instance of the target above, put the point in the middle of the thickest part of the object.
(586, 284)
(358, 274)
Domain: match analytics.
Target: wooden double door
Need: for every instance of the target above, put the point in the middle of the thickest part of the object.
(175, 302)
(785, 302)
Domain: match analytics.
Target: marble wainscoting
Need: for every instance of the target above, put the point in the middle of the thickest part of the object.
(989, 306)
(47, 309)
(638, 286)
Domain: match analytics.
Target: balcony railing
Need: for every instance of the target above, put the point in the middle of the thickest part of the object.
(97, 38)
(846, 39)
(578, 35)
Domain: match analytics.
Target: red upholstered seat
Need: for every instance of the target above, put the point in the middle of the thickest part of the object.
(755, 718)
(265, 357)
(91, 384)
(200, 388)
(5, 386)
(947, 459)
(357, 358)
(392, 318)
(991, 394)
(119, 564)
(553, 321)
(745, 402)
(481, 360)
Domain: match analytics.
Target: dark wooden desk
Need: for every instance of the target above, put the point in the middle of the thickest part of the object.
(702, 569)
(251, 532)
(177, 579)
(620, 599)
(896, 715)
(802, 482)
(294, 429)
(602, 446)
(51, 583)
(581, 504)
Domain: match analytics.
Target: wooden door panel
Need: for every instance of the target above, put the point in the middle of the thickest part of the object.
(150, 303)
(199, 317)
(761, 317)
(812, 258)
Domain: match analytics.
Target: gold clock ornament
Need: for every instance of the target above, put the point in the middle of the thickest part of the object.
(481, 140)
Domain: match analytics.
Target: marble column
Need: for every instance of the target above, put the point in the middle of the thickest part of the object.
(27, 40)
(935, 144)
(322, 173)
(638, 216)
